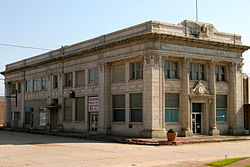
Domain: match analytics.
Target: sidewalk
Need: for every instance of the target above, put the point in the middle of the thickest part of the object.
(140, 141)
(242, 163)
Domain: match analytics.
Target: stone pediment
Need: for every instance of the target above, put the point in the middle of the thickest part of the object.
(199, 89)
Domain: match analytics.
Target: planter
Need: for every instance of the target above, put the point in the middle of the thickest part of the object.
(171, 136)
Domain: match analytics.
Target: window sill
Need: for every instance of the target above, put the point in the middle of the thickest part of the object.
(136, 123)
(135, 80)
(118, 82)
(220, 122)
(172, 79)
(92, 85)
(78, 121)
(172, 123)
(119, 123)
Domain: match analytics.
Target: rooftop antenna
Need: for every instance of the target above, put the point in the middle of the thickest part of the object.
(196, 10)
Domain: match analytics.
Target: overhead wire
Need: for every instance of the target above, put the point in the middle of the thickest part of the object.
(26, 47)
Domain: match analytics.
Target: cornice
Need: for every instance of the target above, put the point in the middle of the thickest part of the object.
(142, 38)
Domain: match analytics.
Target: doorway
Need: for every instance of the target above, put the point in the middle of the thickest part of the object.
(197, 118)
(93, 122)
(53, 119)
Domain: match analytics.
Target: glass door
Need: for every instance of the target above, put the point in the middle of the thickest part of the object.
(93, 122)
(196, 117)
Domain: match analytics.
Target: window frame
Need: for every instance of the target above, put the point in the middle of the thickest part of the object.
(225, 107)
(131, 109)
(168, 108)
(68, 80)
(95, 79)
(169, 69)
(119, 109)
(197, 69)
(77, 118)
(136, 70)
(220, 75)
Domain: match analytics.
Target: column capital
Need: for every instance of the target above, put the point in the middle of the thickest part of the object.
(187, 60)
(153, 60)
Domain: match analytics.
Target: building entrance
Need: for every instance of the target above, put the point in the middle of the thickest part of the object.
(197, 118)
(93, 122)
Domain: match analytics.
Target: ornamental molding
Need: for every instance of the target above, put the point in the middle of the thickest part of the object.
(198, 29)
(199, 89)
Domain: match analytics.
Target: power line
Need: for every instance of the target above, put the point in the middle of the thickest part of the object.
(26, 47)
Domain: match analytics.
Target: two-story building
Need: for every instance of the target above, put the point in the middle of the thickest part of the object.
(139, 81)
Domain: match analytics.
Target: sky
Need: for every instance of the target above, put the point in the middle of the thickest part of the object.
(51, 24)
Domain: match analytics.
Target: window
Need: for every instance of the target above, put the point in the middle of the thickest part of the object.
(36, 84)
(196, 72)
(221, 108)
(118, 108)
(170, 70)
(19, 87)
(136, 107)
(172, 107)
(220, 73)
(80, 78)
(29, 85)
(93, 76)
(43, 117)
(136, 70)
(28, 115)
(55, 81)
(118, 73)
(67, 109)
(80, 109)
(44, 83)
(68, 80)
(13, 88)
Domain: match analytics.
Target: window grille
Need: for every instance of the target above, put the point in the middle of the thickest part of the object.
(136, 107)
(67, 109)
(118, 73)
(80, 109)
(119, 108)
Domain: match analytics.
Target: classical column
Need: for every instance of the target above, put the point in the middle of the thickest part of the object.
(104, 118)
(152, 97)
(7, 104)
(212, 89)
(235, 113)
(185, 100)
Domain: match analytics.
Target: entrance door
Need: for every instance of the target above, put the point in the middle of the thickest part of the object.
(197, 118)
(53, 119)
(93, 122)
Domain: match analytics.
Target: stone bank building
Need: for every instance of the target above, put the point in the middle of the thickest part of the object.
(139, 81)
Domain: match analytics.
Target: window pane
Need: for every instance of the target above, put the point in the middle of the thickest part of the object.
(118, 101)
(80, 108)
(221, 115)
(172, 100)
(68, 109)
(136, 115)
(136, 70)
(93, 76)
(172, 115)
(80, 78)
(221, 101)
(136, 100)
(119, 115)
(118, 73)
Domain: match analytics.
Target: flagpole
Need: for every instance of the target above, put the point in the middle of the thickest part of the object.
(196, 10)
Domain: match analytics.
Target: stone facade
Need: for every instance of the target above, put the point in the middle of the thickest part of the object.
(2, 101)
(138, 81)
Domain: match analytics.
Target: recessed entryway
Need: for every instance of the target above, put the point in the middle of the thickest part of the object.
(197, 118)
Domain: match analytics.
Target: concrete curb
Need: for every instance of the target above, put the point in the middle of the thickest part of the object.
(127, 140)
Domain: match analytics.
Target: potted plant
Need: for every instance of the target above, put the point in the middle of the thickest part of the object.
(171, 135)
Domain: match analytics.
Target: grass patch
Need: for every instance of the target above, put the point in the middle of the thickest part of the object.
(226, 162)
